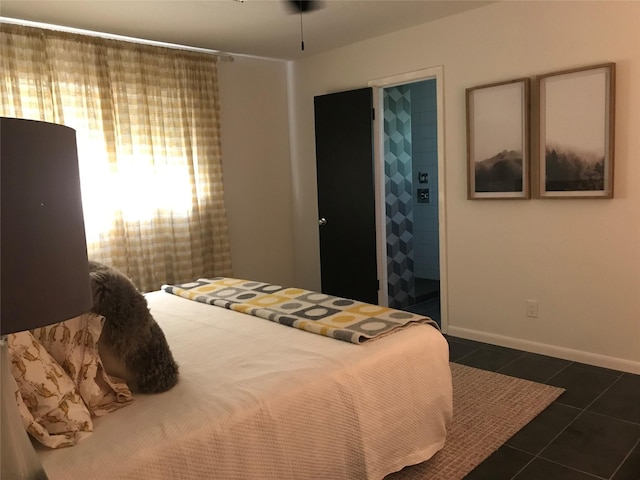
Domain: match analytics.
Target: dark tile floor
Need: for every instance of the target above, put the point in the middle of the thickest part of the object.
(591, 432)
(426, 288)
(427, 298)
(429, 308)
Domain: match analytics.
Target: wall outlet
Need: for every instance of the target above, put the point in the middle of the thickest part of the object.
(532, 308)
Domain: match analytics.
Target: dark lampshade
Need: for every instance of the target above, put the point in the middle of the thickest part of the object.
(44, 272)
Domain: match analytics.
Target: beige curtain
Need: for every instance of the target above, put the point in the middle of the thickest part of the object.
(148, 133)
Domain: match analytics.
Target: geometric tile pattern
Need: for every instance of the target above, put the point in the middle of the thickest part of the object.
(398, 196)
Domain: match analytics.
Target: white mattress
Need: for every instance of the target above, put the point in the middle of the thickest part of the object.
(259, 400)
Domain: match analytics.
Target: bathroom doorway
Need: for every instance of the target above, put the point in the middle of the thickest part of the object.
(411, 200)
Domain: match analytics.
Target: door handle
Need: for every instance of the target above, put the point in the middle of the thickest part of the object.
(322, 222)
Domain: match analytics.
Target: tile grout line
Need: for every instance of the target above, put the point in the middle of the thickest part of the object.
(465, 355)
(582, 412)
(535, 456)
(558, 373)
(488, 347)
(597, 477)
(625, 459)
(511, 362)
(601, 394)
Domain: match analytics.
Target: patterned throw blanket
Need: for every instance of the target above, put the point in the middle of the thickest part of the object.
(335, 317)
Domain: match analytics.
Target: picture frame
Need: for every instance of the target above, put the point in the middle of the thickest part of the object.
(498, 144)
(575, 133)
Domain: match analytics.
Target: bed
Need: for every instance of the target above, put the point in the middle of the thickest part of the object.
(261, 400)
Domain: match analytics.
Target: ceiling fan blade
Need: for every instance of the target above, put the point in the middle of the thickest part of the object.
(303, 6)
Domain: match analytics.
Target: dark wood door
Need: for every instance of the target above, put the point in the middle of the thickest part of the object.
(346, 196)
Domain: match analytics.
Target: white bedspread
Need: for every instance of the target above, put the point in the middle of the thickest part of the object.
(259, 400)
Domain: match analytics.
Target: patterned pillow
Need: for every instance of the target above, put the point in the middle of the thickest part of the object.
(51, 409)
(74, 345)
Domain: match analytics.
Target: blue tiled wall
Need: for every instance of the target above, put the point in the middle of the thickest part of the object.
(424, 133)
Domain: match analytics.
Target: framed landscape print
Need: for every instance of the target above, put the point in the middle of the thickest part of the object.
(574, 157)
(498, 140)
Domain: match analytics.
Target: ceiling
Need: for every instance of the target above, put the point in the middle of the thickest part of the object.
(264, 28)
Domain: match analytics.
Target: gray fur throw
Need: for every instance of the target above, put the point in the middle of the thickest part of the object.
(132, 345)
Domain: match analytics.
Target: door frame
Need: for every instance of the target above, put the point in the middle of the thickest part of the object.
(378, 84)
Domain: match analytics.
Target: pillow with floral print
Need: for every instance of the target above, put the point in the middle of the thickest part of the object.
(51, 408)
(74, 345)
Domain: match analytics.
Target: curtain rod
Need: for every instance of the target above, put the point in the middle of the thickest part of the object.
(28, 23)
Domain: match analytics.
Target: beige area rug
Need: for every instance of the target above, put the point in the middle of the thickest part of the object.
(488, 408)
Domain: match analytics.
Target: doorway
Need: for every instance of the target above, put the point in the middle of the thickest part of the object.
(410, 193)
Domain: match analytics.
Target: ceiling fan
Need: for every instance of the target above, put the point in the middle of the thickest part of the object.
(303, 6)
(300, 7)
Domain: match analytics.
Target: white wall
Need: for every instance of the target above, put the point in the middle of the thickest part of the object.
(579, 258)
(256, 168)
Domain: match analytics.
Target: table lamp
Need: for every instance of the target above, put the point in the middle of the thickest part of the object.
(44, 272)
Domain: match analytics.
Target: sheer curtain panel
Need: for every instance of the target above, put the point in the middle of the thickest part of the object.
(148, 134)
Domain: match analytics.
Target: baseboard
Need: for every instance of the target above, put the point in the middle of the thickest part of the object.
(544, 349)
